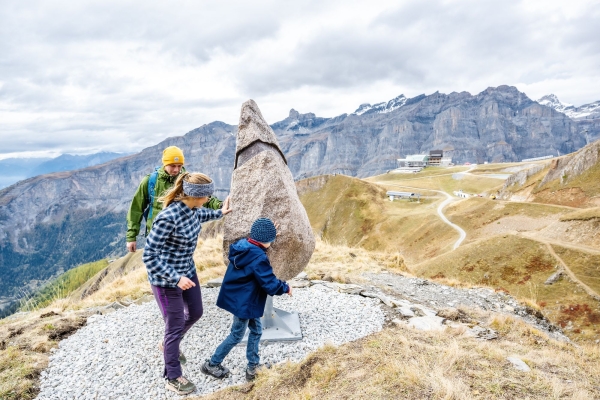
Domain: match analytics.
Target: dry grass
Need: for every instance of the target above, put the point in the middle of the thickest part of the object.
(351, 212)
(584, 265)
(346, 264)
(475, 213)
(582, 215)
(25, 343)
(440, 179)
(403, 363)
(520, 267)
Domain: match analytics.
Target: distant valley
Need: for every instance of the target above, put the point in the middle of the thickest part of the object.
(18, 169)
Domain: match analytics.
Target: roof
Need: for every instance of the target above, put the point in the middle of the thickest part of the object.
(417, 157)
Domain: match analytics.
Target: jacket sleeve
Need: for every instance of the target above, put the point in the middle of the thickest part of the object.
(213, 203)
(206, 214)
(263, 273)
(136, 210)
(161, 230)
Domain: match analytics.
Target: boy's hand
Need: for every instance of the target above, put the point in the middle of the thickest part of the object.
(185, 283)
(226, 209)
(289, 290)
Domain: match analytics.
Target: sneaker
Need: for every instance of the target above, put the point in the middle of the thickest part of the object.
(218, 371)
(182, 358)
(180, 385)
(252, 371)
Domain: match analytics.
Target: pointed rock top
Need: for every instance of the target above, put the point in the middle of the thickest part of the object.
(253, 127)
(294, 114)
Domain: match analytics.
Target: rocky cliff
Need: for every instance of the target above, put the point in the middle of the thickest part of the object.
(55, 221)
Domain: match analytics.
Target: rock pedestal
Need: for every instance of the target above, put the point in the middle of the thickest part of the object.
(263, 186)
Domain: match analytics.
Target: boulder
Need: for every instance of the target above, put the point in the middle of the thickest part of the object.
(263, 186)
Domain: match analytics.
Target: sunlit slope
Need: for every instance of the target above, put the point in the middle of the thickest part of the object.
(519, 266)
(445, 179)
(571, 180)
(350, 211)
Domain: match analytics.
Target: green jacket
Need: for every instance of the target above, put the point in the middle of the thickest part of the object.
(141, 199)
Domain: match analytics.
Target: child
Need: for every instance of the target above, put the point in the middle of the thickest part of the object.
(171, 270)
(247, 282)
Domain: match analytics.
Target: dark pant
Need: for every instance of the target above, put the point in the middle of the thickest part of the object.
(238, 329)
(180, 310)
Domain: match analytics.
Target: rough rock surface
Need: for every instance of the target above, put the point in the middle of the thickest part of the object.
(263, 186)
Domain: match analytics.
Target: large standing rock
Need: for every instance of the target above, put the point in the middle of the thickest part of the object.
(263, 186)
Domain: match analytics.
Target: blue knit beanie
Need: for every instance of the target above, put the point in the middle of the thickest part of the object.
(263, 230)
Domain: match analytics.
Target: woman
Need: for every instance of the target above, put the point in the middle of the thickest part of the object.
(171, 270)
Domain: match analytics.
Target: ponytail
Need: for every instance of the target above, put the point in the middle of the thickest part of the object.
(176, 192)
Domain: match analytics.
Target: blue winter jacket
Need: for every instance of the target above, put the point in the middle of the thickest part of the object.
(248, 281)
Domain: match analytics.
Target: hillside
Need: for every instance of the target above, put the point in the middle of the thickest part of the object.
(571, 180)
(42, 217)
(364, 239)
(398, 360)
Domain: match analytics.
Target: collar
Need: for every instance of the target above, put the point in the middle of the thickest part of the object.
(183, 208)
(254, 242)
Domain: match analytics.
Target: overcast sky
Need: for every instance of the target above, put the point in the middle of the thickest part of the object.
(85, 76)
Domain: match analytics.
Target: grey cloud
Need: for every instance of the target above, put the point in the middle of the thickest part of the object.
(428, 44)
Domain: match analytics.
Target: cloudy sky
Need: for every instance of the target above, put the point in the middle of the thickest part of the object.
(85, 76)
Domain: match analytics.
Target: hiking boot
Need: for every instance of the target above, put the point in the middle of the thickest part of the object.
(182, 358)
(180, 385)
(252, 371)
(218, 371)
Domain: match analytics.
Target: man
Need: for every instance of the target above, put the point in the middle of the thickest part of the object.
(173, 161)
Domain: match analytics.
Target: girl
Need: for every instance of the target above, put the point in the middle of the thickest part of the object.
(171, 270)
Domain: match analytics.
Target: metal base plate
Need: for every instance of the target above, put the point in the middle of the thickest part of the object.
(280, 326)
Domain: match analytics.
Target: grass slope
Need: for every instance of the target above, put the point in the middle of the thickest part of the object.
(400, 363)
(64, 285)
(519, 266)
(349, 211)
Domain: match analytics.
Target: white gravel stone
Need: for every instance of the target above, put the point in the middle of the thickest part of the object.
(116, 356)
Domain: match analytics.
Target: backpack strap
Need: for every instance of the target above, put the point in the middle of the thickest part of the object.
(151, 186)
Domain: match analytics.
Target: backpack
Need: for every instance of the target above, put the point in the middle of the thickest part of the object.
(151, 185)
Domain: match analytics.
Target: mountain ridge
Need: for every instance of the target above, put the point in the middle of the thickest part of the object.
(86, 208)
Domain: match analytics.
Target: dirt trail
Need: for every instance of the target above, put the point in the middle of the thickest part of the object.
(573, 277)
(581, 247)
(449, 199)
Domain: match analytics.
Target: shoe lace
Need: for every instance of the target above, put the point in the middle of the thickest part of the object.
(182, 380)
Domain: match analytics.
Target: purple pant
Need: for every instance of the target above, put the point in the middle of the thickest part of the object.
(180, 310)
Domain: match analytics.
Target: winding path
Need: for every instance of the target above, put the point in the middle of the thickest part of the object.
(449, 199)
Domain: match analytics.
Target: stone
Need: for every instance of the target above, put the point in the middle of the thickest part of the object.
(349, 288)
(295, 283)
(217, 282)
(263, 186)
(553, 278)
(519, 364)
(405, 312)
(302, 276)
(482, 333)
(427, 323)
(144, 299)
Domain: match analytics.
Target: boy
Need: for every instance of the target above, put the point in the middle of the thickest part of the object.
(247, 282)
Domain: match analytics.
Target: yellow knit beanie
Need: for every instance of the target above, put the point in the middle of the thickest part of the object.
(172, 155)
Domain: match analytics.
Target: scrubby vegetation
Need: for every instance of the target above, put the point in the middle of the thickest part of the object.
(403, 363)
(64, 285)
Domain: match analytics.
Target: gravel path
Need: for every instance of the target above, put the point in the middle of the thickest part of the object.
(117, 357)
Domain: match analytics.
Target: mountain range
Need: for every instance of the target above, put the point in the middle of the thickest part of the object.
(17, 169)
(53, 222)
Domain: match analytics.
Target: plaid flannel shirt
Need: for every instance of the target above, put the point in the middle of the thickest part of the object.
(172, 241)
